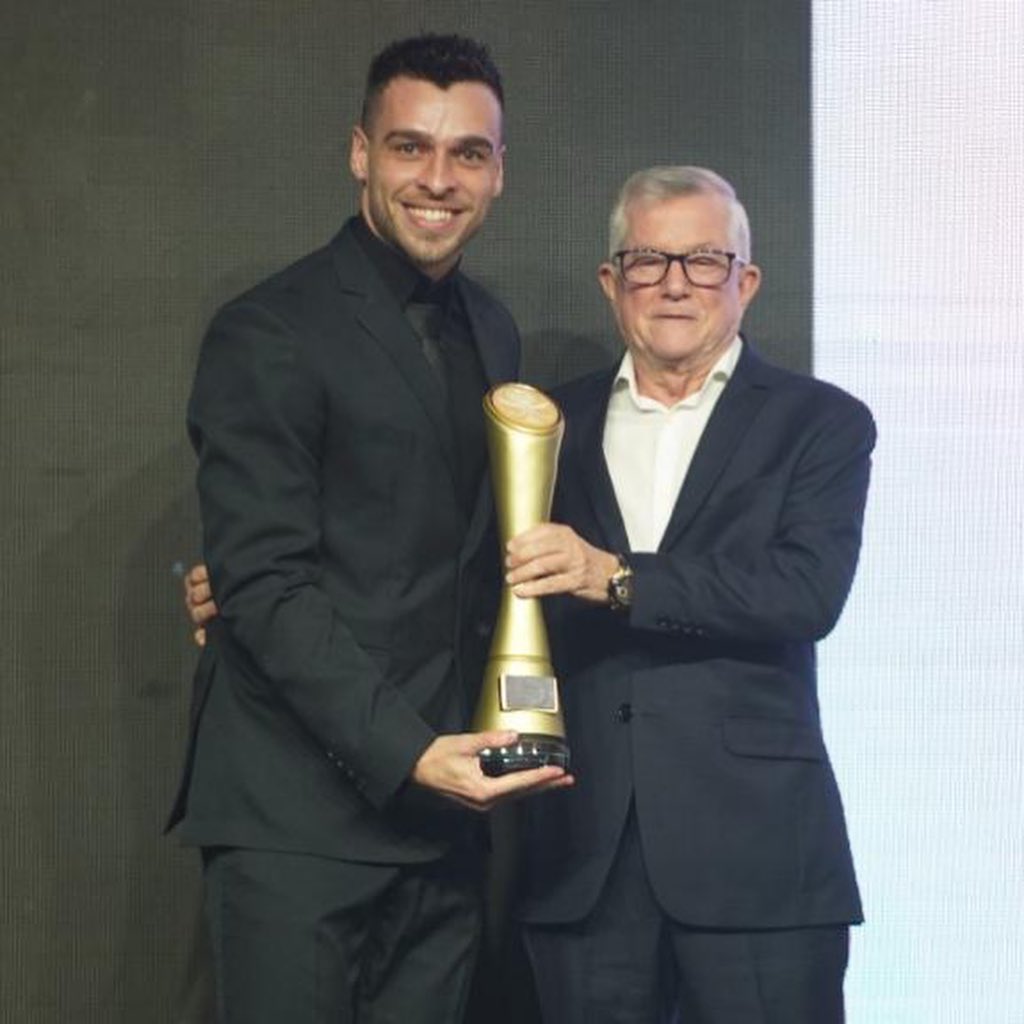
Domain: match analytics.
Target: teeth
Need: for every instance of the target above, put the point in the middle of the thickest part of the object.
(429, 213)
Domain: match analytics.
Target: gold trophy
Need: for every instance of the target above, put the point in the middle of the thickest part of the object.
(520, 691)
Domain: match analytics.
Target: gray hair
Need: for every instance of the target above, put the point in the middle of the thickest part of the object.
(657, 184)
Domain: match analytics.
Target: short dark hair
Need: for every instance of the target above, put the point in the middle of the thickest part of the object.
(442, 60)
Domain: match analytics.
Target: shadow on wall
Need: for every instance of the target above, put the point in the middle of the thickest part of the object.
(106, 675)
(152, 615)
(551, 358)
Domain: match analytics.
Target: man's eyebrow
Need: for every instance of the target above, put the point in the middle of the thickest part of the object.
(463, 142)
(475, 142)
(408, 134)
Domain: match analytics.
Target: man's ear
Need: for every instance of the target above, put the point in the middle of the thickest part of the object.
(750, 282)
(499, 181)
(608, 279)
(358, 155)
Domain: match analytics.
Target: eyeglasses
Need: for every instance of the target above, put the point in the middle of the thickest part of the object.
(705, 268)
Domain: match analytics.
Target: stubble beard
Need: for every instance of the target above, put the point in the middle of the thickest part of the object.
(425, 253)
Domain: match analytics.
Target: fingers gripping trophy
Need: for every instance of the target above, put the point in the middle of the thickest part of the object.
(520, 691)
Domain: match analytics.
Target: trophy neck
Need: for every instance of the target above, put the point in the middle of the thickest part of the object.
(520, 634)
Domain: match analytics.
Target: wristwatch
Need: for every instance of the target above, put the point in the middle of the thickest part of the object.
(620, 586)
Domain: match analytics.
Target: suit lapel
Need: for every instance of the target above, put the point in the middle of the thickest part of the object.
(499, 356)
(586, 438)
(378, 314)
(734, 412)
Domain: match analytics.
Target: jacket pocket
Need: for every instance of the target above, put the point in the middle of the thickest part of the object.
(773, 738)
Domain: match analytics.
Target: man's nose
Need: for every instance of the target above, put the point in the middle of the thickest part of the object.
(437, 174)
(675, 282)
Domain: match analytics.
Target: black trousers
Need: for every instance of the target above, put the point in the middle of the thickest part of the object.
(629, 963)
(309, 940)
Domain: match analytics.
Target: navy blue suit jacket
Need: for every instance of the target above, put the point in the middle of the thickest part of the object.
(701, 704)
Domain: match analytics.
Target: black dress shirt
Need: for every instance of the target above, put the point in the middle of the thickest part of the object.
(435, 311)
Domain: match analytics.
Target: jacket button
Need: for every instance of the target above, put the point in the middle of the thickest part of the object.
(624, 712)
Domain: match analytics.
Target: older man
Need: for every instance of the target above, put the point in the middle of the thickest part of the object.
(710, 508)
(337, 419)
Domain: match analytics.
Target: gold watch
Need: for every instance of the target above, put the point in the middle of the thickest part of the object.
(620, 586)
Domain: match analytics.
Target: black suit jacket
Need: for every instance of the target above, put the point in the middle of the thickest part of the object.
(342, 562)
(701, 704)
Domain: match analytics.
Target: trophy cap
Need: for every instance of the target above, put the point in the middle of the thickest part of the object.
(522, 407)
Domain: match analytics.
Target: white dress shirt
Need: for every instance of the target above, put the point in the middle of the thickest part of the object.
(649, 446)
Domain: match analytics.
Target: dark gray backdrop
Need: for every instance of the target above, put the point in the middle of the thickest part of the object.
(157, 157)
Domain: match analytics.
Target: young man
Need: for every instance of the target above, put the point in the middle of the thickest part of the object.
(336, 416)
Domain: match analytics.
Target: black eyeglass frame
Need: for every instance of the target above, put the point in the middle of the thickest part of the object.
(681, 258)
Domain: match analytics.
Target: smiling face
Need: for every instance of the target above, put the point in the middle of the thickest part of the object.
(430, 162)
(675, 328)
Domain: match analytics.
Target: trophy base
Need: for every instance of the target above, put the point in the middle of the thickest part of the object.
(532, 751)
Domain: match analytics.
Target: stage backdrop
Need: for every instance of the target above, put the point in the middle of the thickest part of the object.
(158, 157)
(919, 309)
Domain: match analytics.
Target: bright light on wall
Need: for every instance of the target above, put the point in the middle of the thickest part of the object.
(919, 310)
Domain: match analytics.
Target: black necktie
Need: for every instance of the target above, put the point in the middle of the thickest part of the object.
(447, 342)
(426, 319)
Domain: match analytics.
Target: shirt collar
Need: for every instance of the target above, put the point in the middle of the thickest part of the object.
(720, 374)
(402, 278)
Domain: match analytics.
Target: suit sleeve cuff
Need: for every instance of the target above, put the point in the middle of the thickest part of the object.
(387, 757)
(655, 604)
